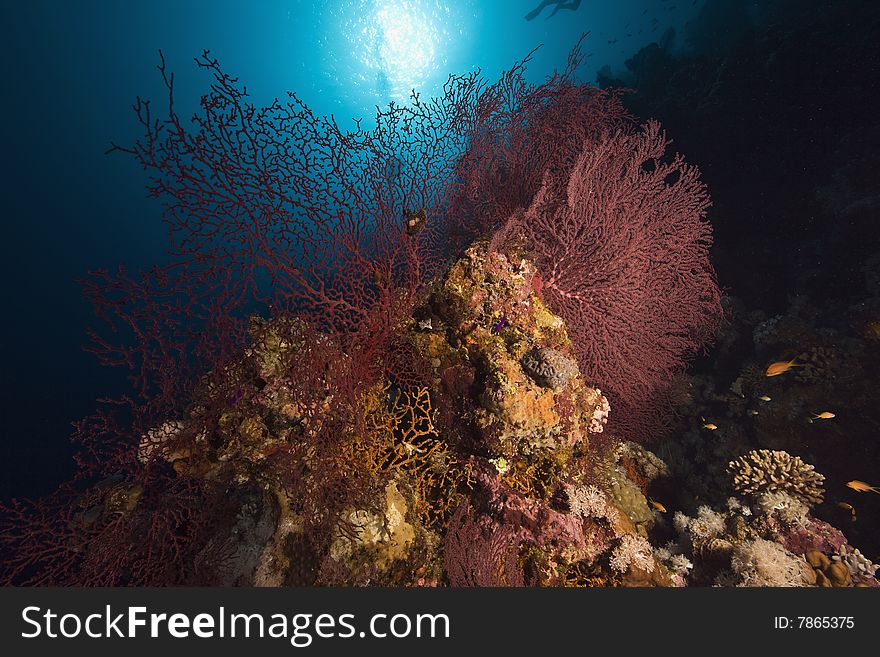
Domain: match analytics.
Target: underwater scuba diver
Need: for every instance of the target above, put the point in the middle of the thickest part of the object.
(560, 4)
(383, 85)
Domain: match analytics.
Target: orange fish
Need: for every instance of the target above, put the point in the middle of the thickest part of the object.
(824, 415)
(862, 487)
(658, 506)
(780, 367)
(710, 426)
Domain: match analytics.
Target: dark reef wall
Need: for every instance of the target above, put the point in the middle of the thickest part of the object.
(776, 103)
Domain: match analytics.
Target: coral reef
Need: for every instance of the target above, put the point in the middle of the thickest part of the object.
(773, 541)
(518, 386)
(381, 487)
(448, 375)
(496, 469)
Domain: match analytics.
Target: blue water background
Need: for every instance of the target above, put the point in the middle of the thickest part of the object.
(72, 70)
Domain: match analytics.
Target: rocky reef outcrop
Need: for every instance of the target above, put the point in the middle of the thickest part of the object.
(492, 464)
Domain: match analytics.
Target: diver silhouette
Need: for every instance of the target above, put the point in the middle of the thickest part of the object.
(560, 4)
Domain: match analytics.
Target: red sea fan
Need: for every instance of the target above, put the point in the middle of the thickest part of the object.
(525, 130)
(117, 532)
(478, 551)
(281, 205)
(623, 243)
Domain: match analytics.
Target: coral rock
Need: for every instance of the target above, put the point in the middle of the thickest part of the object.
(386, 536)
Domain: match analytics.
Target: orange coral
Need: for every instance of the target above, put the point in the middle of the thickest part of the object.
(401, 439)
(535, 479)
(584, 574)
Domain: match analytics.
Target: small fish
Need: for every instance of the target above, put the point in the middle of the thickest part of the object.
(708, 425)
(848, 507)
(753, 413)
(381, 277)
(780, 367)
(659, 507)
(764, 398)
(500, 325)
(862, 487)
(415, 221)
(824, 415)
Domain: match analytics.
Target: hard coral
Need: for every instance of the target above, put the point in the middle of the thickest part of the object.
(549, 367)
(762, 471)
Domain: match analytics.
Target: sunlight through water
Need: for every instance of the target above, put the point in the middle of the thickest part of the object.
(383, 49)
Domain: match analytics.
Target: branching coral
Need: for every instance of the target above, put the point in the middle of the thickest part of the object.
(765, 471)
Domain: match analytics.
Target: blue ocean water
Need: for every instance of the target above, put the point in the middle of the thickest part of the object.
(75, 68)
